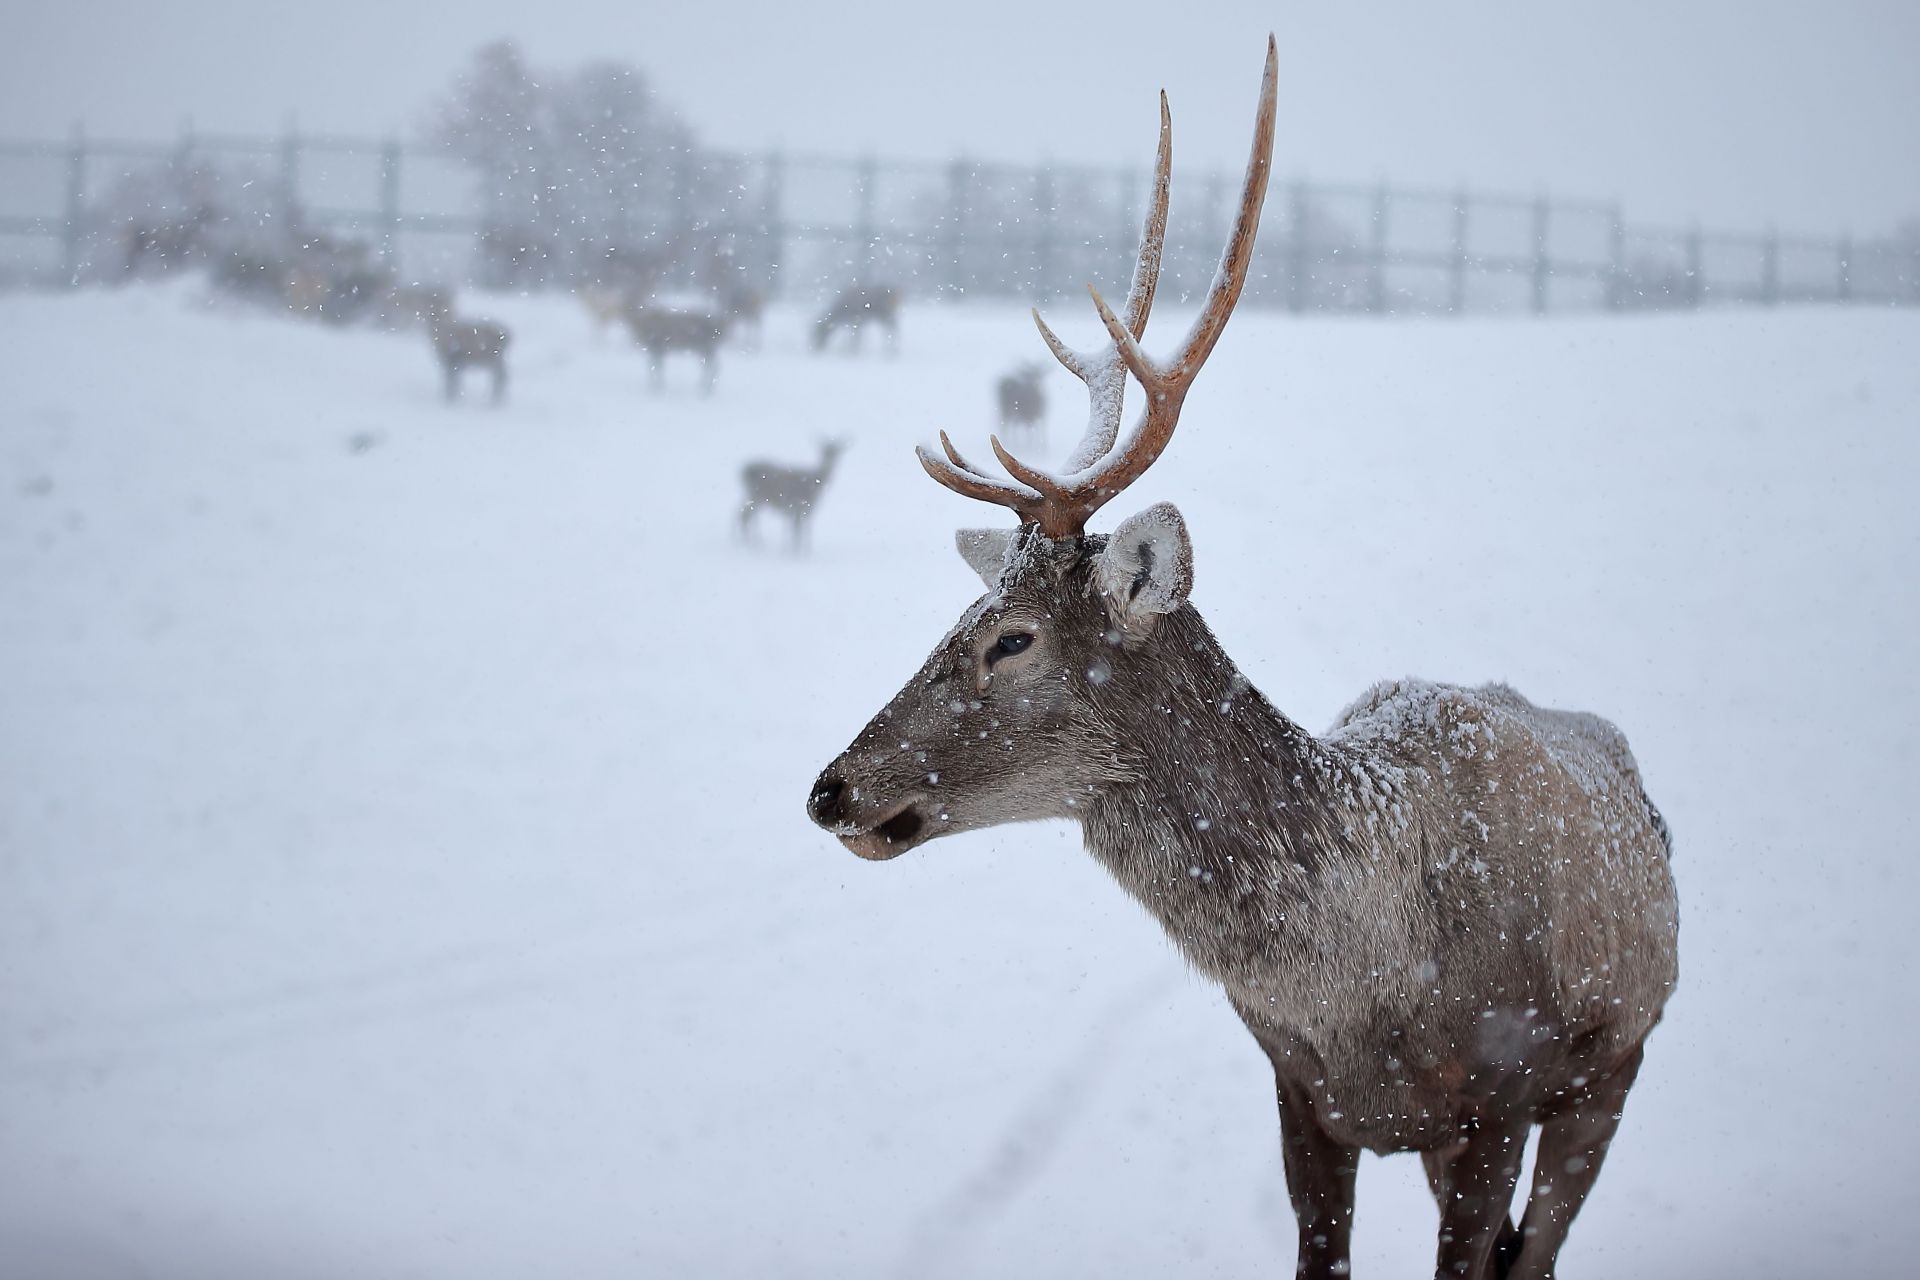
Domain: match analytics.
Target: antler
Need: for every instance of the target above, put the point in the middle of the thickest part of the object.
(1095, 471)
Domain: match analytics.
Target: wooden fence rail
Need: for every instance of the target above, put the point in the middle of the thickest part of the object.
(809, 223)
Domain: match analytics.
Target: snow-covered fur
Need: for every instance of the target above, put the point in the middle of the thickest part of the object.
(1452, 914)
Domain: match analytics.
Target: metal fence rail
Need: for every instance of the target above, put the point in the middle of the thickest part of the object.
(808, 224)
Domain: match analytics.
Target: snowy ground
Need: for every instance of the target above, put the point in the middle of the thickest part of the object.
(403, 870)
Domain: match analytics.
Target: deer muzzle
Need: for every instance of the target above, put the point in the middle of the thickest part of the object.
(871, 832)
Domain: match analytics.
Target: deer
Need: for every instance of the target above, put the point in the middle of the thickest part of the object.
(661, 328)
(606, 306)
(794, 492)
(855, 308)
(463, 341)
(1023, 401)
(170, 243)
(1447, 921)
(745, 307)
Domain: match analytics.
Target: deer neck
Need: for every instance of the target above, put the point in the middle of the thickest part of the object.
(1221, 815)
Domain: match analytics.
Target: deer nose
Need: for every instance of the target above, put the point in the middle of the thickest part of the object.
(823, 806)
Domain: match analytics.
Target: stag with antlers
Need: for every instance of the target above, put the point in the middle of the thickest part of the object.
(1447, 921)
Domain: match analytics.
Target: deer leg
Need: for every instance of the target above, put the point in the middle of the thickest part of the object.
(1505, 1246)
(499, 381)
(1478, 1175)
(709, 370)
(656, 372)
(1320, 1175)
(451, 378)
(1573, 1142)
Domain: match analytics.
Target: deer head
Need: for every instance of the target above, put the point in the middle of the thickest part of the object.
(1029, 702)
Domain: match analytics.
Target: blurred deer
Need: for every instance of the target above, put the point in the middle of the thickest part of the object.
(606, 306)
(791, 491)
(744, 306)
(1023, 402)
(743, 302)
(661, 328)
(857, 308)
(461, 342)
(1446, 921)
(169, 244)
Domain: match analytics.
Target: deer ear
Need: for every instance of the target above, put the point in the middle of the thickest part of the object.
(1146, 568)
(985, 550)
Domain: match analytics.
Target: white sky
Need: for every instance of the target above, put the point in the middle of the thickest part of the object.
(1807, 115)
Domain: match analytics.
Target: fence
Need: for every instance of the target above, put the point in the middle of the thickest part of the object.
(807, 224)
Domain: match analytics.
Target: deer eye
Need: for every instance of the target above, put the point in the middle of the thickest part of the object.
(1009, 644)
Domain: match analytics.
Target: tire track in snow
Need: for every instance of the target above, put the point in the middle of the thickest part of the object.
(1030, 1138)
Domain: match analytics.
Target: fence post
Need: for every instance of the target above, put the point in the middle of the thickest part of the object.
(1843, 269)
(182, 159)
(1617, 259)
(1297, 245)
(1696, 268)
(389, 201)
(1041, 286)
(1770, 268)
(1128, 183)
(680, 176)
(956, 226)
(1216, 224)
(1457, 268)
(866, 177)
(1542, 268)
(290, 179)
(1377, 274)
(72, 231)
(773, 220)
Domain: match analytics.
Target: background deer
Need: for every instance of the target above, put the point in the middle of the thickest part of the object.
(1448, 920)
(464, 342)
(168, 244)
(794, 492)
(661, 328)
(1022, 401)
(606, 306)
(856, 308)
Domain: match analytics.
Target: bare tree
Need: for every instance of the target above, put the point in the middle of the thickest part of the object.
(853, 310)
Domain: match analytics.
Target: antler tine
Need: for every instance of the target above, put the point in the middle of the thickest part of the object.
(953, 454)
(1230, 277)
(1065, 354)
(1039, 481)
(1153, 236)
(1023, 501)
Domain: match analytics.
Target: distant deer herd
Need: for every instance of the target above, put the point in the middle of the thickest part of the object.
(680, 304)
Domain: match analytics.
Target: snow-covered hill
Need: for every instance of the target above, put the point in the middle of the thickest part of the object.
(403, 870)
